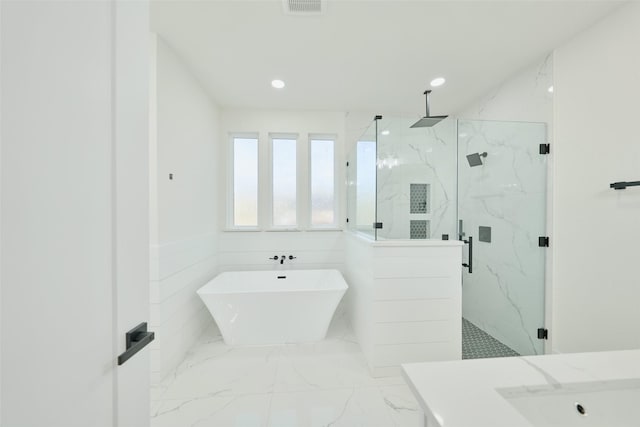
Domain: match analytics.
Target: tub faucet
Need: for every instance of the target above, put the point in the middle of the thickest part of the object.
(282, 259)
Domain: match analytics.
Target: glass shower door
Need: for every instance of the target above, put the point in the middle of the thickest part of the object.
(502, 211)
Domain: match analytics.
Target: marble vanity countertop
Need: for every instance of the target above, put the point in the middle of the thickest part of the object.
(464, 393)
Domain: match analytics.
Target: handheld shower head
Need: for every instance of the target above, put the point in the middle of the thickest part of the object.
(475, 159)
(428, 120)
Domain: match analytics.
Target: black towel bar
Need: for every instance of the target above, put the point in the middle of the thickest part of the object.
(623, 184)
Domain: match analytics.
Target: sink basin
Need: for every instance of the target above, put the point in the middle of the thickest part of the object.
(587, 404)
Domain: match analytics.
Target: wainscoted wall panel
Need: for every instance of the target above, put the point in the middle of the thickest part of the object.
(174, 346)
(409, 288)
(412, 310)
(386, 356)
(251, 250)
(303, 259)
(178, 316)
(172, 284)
(177, 255)
(359, 276)
(412, 266)
(413, 332)
(405, 300)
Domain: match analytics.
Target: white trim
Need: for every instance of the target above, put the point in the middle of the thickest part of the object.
(230, 197)
(284, 135)
(323, 136)
(303, 173)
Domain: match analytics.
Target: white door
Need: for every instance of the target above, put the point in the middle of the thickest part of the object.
(74, 218)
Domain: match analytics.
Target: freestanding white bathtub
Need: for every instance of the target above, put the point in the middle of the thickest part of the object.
(273, 307)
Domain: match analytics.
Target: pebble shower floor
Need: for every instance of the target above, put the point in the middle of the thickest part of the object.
(477, 344)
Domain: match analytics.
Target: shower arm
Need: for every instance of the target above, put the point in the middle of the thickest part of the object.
(427, 94)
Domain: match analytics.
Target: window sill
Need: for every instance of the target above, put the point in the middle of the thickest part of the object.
(281, 230)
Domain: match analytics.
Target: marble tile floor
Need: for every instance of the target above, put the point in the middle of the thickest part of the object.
(294, 385)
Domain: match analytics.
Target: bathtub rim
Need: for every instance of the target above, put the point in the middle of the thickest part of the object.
(341, 286)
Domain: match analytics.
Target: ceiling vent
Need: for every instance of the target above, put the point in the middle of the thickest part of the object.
(304, 7)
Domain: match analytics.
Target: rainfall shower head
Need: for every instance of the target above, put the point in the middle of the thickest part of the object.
(427, 121)
(475, 159)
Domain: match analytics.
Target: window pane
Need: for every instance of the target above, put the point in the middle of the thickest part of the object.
(284, 182)
(245, 181)
(322, 183)
(366, 185)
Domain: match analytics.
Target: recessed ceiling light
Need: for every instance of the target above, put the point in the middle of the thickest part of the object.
(437, 82)
(385, 132)
(550, 90)
(278, 84)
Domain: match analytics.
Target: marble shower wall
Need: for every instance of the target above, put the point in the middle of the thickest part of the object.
(416, 156)
(505, 293)
(524, 97)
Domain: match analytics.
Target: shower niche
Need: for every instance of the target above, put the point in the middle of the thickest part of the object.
(419, 204)
(419, 198)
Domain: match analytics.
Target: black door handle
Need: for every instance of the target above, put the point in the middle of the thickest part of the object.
(470, 264)
(137, 339)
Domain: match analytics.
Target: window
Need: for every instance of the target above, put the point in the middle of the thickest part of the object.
(322, 168)
(245, 182)
(284, 182)
(281, 183)
(366, 158)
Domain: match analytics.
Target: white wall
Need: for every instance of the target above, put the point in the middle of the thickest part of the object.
(243, 250)
(596, 284)
(185, 141)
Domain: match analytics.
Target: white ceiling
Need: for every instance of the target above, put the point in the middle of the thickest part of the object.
(365, 55)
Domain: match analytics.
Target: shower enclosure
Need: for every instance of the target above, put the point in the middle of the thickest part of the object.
(483, 182)
(403, 180)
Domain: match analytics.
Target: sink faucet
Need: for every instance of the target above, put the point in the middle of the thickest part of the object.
(282, 259)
